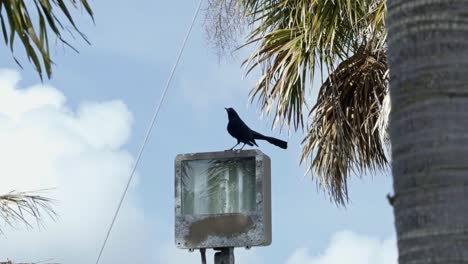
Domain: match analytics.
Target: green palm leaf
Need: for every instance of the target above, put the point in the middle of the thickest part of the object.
(16, 21)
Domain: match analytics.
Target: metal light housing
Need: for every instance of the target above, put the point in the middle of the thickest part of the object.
(222, 199)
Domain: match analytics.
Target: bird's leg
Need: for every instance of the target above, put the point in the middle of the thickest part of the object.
(234, 146)
(242, 147)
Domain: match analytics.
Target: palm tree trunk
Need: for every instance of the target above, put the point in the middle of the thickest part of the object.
(428, 61)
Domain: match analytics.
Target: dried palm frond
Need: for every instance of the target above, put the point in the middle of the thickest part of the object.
(16, 22)
(20, 207)
(224, 23)
(345, 133)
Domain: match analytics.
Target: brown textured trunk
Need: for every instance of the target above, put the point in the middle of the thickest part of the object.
(428, 60)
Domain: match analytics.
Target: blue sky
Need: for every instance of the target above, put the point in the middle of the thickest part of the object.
(81, 132)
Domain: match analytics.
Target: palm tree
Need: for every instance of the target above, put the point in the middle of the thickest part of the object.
(427, 52)
(428, 58)
(298, 40)
(53, 16)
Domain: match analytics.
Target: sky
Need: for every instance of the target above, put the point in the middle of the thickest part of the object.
(80, 132)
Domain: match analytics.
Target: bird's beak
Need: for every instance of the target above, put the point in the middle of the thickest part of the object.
(225, 108)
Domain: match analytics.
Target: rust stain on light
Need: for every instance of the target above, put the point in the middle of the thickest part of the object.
(227, 226)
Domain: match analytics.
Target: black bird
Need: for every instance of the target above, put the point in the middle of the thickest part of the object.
(239, 130)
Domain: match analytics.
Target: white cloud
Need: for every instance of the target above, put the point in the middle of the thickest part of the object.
(45, 144)
(348, 247)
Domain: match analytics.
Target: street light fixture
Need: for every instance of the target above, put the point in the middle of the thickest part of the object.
(222, 199)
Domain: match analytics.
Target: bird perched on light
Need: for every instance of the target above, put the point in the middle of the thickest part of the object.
(240, 131)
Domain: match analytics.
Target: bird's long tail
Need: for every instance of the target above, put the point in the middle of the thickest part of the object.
(277, 142)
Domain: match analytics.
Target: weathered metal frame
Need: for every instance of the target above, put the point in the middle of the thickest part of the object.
(226, 230)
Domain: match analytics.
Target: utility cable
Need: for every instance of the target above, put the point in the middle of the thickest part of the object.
(148, 132)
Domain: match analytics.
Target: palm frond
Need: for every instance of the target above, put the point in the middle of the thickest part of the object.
(347, 124)
(20, 207)
(294, 37)
(298, 39)
(17, 22)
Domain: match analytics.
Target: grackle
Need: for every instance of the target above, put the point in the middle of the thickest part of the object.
(239, 130)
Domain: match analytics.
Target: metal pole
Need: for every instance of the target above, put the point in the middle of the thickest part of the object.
(225, 256)
(203, 255)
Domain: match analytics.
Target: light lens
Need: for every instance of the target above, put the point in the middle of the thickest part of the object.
(218, 186)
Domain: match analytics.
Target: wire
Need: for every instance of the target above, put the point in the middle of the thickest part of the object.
(150, 128)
